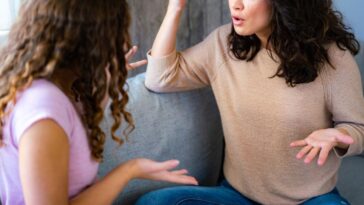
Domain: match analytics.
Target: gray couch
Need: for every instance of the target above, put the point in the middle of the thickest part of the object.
(187, 126)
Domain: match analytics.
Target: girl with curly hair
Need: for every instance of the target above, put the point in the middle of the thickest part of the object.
(62, 62)
(289, 93)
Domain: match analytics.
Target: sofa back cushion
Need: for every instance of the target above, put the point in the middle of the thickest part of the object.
(184, 126)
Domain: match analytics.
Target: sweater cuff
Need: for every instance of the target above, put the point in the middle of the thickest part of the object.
(356, 147)
(161, 62)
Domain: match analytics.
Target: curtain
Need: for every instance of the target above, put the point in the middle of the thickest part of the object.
(8, 13)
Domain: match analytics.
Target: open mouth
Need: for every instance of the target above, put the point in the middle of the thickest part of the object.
(237, 20)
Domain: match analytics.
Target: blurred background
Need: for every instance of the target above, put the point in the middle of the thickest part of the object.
(199, 19)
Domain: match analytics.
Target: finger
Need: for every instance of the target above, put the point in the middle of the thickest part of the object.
(166, 165)
(345, 139)
(179, 179)
(138, 64)
(303, 151)
(299, 143)
(324, 153)
(180, 172)
(131, 53)
(310, 156)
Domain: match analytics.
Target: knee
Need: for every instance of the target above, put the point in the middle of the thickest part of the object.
(149, 198)
(156, 197)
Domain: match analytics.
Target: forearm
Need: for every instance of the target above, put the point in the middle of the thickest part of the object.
(165, 42)
(107, 189)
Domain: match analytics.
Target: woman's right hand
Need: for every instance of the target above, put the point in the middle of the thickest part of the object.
(160, 171)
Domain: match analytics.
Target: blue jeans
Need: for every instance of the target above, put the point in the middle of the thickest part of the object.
(220, 195)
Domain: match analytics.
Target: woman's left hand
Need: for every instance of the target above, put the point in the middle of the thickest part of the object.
(129, 55)
(320, 143)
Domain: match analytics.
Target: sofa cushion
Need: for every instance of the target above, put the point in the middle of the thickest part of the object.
(184, 126)
(351, 179)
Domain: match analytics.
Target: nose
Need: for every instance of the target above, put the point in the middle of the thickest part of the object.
(237, 5)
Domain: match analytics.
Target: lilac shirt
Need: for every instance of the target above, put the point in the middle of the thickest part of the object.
(43, 100)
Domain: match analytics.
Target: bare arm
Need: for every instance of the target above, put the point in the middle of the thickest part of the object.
(44, 156)
(165, 42)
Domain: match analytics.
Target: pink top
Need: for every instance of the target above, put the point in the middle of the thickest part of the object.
(43, 100)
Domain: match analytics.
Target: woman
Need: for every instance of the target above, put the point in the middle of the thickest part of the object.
(62, 62)
(289, 93)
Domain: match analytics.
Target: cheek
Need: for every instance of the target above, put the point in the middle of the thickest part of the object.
(260, 16)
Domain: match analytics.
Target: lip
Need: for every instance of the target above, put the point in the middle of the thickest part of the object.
(237, 21)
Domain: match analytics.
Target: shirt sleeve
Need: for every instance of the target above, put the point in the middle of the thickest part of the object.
(30, 110)
(190, 69)
(346, 101)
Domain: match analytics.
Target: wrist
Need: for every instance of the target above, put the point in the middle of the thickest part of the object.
(340, 144)
(174, 11)
(128, 170)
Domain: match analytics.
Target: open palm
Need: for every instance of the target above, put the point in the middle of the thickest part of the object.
(320, 143)
(161, 171)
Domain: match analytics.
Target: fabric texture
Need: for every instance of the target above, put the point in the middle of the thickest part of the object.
(224, 194)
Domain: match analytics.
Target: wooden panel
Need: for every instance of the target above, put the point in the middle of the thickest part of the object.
(199, 19)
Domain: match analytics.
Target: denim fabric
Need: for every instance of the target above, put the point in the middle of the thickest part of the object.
(220, 195)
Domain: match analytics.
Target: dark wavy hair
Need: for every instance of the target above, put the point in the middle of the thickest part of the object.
(302, 31)
(86, 38)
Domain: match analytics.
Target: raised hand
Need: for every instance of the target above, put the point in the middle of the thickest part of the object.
(161, 171)
(320, 143)
(129, 55)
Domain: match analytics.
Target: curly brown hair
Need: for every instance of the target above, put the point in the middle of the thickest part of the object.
(302, 31)
(88, 38)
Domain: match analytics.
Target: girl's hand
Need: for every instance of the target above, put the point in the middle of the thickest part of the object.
(320, 143)
(129, 55)
(176, 5)
(161, 171)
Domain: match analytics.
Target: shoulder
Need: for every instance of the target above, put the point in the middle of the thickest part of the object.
(342, 62)
(41, 91)
(221, 34)
(218, 42)
(41, 100)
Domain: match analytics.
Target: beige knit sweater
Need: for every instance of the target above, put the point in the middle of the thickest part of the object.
(261, 116)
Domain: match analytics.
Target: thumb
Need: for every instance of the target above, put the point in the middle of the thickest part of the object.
(346, 139)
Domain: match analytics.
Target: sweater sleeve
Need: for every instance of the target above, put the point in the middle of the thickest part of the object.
(180, 71)
(346, 101)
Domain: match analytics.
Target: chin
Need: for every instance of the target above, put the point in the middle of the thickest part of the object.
(242, 32)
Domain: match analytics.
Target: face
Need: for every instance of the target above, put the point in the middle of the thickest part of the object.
(251, 16)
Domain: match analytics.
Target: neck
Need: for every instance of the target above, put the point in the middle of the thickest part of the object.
(264, 36)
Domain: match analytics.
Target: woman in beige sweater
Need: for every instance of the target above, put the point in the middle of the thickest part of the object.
(289, 94)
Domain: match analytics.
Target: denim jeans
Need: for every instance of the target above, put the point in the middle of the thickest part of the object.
(220, 195)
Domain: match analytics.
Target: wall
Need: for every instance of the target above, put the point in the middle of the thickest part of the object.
(199, 19)
(353, 16)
